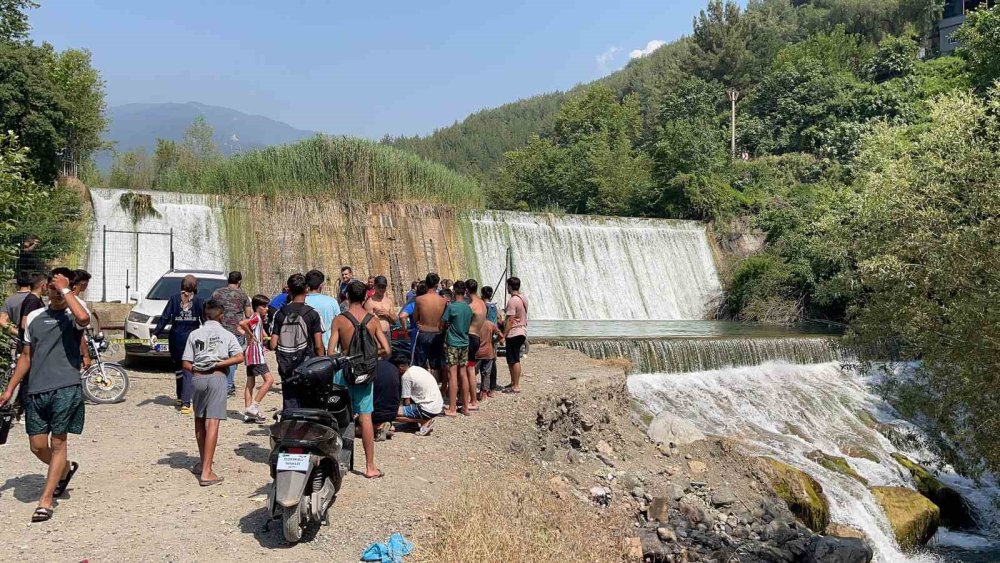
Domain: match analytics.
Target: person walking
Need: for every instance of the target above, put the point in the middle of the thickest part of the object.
(515, 332)
(209, 354)
(53, 399)
(184, 314)
(344, 328)
(236, 306)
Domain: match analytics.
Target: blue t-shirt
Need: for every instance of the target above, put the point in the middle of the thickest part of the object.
(279, 300)
(408, 309)
(327, 307)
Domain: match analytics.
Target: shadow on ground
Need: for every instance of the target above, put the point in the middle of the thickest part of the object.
(162, 400)
(253, 452)
(179, 460)
(27, 488)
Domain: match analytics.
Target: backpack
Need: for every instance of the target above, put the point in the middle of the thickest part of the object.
(294, 346)
(363, 351)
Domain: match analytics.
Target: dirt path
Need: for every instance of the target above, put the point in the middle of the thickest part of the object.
(134, 498)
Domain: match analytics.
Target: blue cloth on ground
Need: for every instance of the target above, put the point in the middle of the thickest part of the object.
(391, 552)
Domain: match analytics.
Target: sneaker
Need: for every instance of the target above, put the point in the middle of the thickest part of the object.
(178, 403)
(380, 433)
(186, 409)
(231, 392)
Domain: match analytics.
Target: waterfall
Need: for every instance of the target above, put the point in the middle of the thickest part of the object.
(787, 410)
(198, 241)
(701, 354)
(575, 267)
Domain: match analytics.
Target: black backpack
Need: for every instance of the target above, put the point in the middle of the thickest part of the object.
(294, 345)
(363, 351)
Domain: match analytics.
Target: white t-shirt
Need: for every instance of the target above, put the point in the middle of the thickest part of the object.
(419, 386)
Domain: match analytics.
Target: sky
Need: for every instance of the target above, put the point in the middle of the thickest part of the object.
(356, 68)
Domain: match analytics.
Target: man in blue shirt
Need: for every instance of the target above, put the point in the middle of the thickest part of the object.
(326, 306)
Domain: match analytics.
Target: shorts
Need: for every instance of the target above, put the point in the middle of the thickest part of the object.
(257, 370)
(362, 396)
(473, 349)
(59, 411)
(209, 396)
(515, 344)
(456, 356)
(414, 411)
(429, 350)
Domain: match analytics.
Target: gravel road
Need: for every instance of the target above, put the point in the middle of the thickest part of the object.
(134, 498)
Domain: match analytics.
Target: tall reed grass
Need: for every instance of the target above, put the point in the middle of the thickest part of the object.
(343, 168)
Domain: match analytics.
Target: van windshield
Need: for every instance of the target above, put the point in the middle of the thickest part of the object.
(167, 287)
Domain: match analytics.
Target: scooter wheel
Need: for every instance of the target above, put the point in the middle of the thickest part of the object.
(291, 523)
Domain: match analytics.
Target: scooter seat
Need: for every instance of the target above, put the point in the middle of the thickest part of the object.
(318, 416)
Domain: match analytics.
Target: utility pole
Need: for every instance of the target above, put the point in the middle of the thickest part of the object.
(734, 95)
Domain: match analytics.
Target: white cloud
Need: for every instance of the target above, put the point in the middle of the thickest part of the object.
(605, 58)
(650, 47)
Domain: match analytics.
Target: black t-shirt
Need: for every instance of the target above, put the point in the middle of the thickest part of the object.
(313, 323)
(387, 391)
(31, 303)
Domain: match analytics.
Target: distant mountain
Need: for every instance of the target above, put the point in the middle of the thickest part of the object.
(134, 126)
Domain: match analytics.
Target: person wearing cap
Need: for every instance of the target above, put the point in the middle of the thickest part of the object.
(380, 305)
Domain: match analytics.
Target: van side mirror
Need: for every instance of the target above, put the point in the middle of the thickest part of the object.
(135, 296)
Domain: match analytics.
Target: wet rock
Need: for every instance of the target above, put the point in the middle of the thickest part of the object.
(828, 549)
(844, 531)
(668, 428)
(724, 496)
(659, 509)
(837, 464)
(955, 513)
(803, 494)
(913, 518)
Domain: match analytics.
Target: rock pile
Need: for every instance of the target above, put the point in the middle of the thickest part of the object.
(700, 523)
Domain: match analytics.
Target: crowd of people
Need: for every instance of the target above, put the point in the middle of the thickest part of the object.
(435, 355)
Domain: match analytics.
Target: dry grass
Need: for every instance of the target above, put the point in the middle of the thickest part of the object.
(521, 520)
(624, 364)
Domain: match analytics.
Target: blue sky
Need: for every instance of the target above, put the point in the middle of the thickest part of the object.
(359, 68)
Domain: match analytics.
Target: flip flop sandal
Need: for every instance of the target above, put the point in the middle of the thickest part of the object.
(64, 483)
(41, 514)
(379, 476)
(210, 482)
(510, 391)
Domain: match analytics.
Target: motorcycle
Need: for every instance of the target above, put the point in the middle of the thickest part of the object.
(103, 382)
(311, 447)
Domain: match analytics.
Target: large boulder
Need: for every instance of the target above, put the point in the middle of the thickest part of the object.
(829, 549)
(803, 495)
(913, 518)
(955, 513)
(667, 428)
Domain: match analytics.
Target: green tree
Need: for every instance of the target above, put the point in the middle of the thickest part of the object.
(198, 141)
(923, 231)
(589, 164)
(18, 194)
(166, 157)
(980, 46)
(81, 89)
(14, 25)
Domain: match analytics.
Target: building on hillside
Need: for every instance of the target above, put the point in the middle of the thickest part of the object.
(954, 17)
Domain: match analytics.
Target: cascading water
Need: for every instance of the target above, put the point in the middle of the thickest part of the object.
(198, 240)
(789, 410)
(575, 267)
(700, 354)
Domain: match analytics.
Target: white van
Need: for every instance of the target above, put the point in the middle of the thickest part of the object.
(143, 317)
